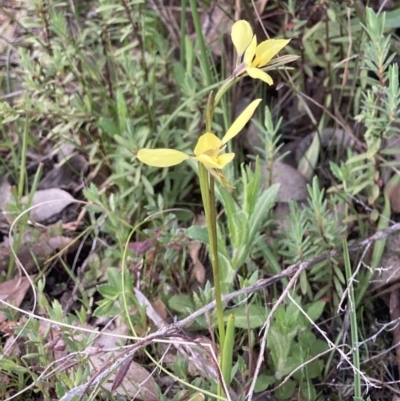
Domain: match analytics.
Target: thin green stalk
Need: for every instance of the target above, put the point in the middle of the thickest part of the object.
(332, 353)
(200, 39)
(226, 85)
(20, 190)
(214, 252)
(22, 170)
(209, 111)
(208, 197)
(353, 321)
(183, 32)
(35, 184)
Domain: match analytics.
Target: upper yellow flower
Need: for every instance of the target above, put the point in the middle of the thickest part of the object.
(207, 150)
(254, 56)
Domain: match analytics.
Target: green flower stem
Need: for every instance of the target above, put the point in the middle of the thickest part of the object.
(212, 101)
(226, 85)
(208, 197)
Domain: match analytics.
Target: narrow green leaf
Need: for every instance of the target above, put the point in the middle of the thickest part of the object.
(239, 231)
(227, 353)
(309, 160)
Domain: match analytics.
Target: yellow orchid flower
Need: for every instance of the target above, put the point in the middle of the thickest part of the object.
(207, 150)
(255, 56)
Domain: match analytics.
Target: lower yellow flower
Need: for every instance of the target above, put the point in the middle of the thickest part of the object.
(207, 151)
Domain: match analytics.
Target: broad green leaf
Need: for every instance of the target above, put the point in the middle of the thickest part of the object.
(226, 272)
(263, 382)
(308, 391)
(122, 110)
(60, 389)
(264, 203)
(279, 346)
(106, 308)
(306, 340)
(248, 316)
(314, 311)
(251, 183)
(393, 18)
(229, 206)
(286, 390)
(108, 291)
(109, 126)
(8, 365)
(181, 303)
(198, 233)
(303, 282)
(179, 73)
(314, 369)
(291, 363)
(114, 277)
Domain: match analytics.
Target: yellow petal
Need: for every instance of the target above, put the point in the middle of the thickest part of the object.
(207, 142)
(241, 35)
(241, 121)
(161, 157)
(259, 74)
(208, 161)
(250, 52)
(224, 159)
(268, 49)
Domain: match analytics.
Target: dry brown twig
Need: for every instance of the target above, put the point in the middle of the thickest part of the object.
(289, 271)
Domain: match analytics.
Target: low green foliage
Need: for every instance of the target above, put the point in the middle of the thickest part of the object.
(292, 343)
(111, 78)
(245, 218)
